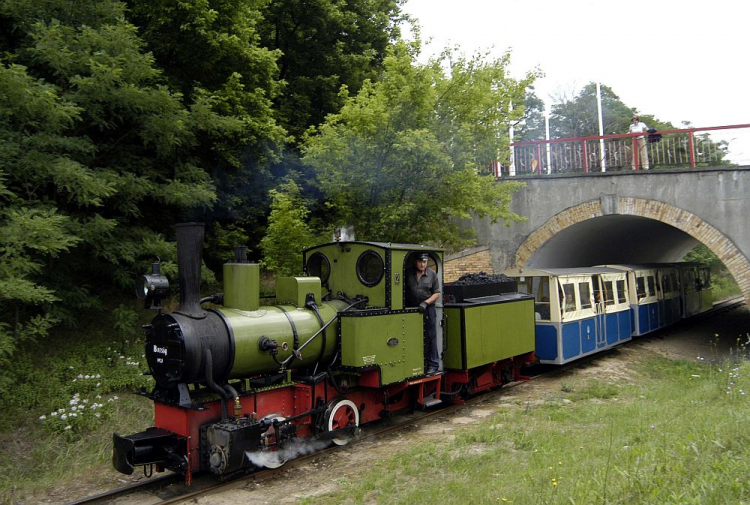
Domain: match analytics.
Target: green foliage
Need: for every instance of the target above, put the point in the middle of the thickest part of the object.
(578, 116)
(288, 232)
(402, 157)
(98, 156)
(72, 386)
(324, 45)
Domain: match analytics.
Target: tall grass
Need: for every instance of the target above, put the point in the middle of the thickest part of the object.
(677, 435)
(66, 399)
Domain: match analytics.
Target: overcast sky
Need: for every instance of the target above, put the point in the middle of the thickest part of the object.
(680, 60)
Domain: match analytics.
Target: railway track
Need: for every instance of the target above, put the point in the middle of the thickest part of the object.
(170, 489)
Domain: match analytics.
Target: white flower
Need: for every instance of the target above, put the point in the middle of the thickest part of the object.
(64, 417)
(98, 384)
(80, 376)
(87, 377)
(85, 400)
(53, 414)
(116, 398)
(42, 418)
(70, 367)
(73, 414)
(68, 427)
(97, 415)
(60, 411)
(98, 376)
(98, 397)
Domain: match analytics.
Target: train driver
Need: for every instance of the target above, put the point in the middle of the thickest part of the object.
(423, 291)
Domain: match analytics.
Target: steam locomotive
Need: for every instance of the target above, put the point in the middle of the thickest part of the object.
(242, 385)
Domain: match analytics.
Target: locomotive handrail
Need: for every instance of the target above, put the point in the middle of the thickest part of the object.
(315, 335)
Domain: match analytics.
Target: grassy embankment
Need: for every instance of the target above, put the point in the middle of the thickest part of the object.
(677, 434)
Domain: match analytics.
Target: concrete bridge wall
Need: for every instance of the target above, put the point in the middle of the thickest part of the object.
(640, 217)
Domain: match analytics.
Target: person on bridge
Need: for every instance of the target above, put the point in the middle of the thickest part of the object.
(423, 291)
(637, 126)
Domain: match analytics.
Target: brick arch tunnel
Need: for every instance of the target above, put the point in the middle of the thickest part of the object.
(627, 230)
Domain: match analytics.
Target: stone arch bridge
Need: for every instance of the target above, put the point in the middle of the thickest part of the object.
(626, 217)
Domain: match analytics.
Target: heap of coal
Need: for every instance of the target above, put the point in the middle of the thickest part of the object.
(480, 278)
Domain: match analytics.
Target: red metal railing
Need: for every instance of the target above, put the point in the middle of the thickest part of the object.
(685, 147)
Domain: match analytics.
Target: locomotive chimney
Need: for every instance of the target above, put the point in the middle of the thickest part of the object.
(189, 256)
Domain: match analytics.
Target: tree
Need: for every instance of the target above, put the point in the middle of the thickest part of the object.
(93, 136)
(288, 231)
(402, 158)
(578, 116)
(532, 124)
(212, 51)
(325, 44)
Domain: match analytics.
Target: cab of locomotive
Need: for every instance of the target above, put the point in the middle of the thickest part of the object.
(382, 340)
(373, 270)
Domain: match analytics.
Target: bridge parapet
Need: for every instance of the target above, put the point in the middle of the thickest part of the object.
(678, 148)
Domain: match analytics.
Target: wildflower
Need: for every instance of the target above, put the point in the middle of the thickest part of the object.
(53, 414)
(64, 417)
(68, 427)
(98, 376)
(98, 384)
(60, 411)
(42, 417)
(554, 482)
(98, 397)
(80, 376)
(97, 414)
(85, 400)
(73, 414)
(116, 398)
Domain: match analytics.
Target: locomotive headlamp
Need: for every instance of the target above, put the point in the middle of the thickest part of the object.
(151, 288)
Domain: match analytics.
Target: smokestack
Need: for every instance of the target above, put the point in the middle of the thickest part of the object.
(189, 256)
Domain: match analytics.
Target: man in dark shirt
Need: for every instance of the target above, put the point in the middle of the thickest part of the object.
(423, 290)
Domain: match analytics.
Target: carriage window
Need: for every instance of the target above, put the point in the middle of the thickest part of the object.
(706, 278)
(584, 291)
(640, 287)
(568, 297)
(370, 268)
(651, 285)
(675, 285)
(539, 288)
(667, 281)
(609, 293)
(621, 291)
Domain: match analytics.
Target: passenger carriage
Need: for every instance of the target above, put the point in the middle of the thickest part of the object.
(654, 293)
(695, 288)
(578, 311)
